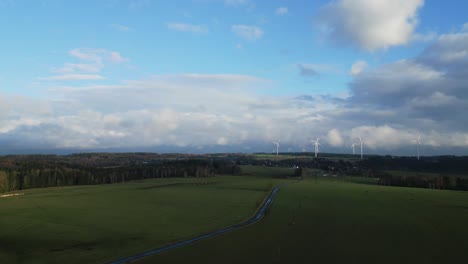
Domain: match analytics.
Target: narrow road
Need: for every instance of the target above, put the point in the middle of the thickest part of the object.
(259, 215)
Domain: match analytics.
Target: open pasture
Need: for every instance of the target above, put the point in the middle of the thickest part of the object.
(328, 220)
(96, 224)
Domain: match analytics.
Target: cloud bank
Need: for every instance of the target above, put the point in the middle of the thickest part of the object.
(388, 106)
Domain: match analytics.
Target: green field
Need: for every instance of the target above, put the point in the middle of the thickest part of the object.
(95, 224)
(422, 174)
(333, 221)
(318, 220)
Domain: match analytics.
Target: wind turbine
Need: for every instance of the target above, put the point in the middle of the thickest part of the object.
(360, 140)
(277, 146)
(317, 144)
(353, 145)
(418, 142)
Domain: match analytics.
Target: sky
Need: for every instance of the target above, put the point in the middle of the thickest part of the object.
(203, 76)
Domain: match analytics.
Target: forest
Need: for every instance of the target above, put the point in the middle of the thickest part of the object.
(38, 172)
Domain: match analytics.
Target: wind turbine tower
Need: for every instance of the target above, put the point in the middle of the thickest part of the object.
(418, 142)
(353, 145)
(277, 146)
(360, 140)
(316, 144)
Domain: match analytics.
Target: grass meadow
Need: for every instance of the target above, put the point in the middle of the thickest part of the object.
(329, 220)
(96, 224)
(318, 220)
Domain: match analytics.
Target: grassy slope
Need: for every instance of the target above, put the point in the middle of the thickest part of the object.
(329, 221)
(94, 224)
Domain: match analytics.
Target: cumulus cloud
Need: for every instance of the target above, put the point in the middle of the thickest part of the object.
(358, 67)
(375, 136)
(247, 32)
(425, 93)
(281, 11)
(388, 106)
(393, 84)
(184, 27)
(210, 108)
(334, 138)
(449, 51)
(370, 25)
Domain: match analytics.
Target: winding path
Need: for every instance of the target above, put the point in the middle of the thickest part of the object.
(259, 215)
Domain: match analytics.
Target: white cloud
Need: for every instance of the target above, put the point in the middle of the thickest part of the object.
(222, 141)
(334, 138)
(465, 27)
(115, 57)
(184, 27)
(92, 61)
(358, 67)
(281, 11)
(191, 110)
(388, 105)
(85, 54)
(120, 27)
(200, 110)
(376, 136)
(79, 67)
(97, 55)
(251, 33)
(371, 25)
(74, 77)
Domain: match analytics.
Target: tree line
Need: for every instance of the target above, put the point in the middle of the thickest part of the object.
(412, 179)
(26, 175)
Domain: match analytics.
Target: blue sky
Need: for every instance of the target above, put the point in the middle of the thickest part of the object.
(233, 75)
